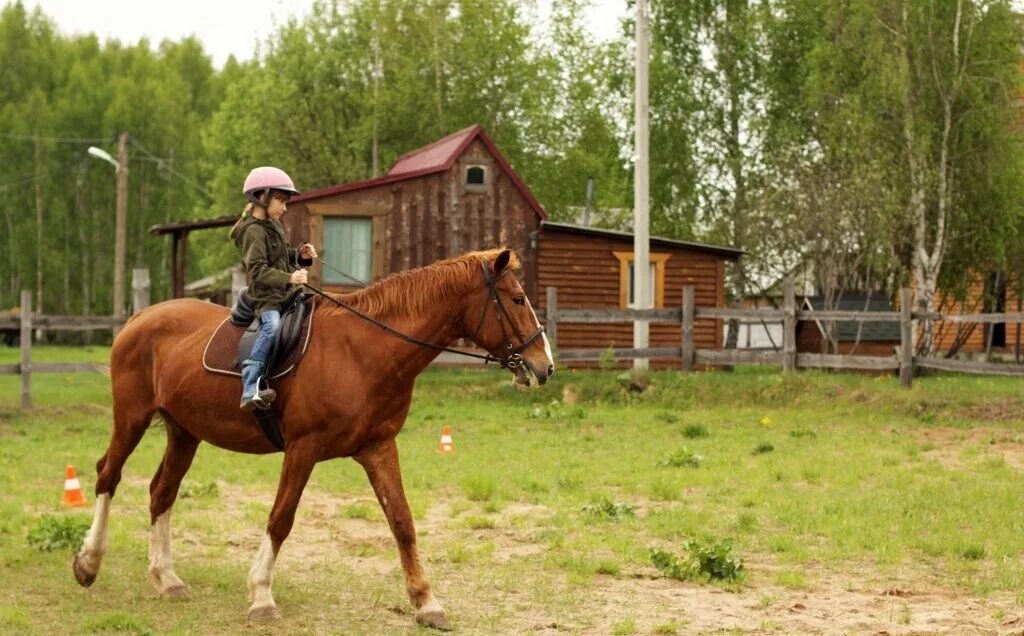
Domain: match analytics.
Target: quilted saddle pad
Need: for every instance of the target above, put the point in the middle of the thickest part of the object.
(221, 350)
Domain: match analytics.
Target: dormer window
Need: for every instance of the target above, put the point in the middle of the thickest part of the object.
(476, 179)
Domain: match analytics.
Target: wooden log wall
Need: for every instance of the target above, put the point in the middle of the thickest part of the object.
(587, 275)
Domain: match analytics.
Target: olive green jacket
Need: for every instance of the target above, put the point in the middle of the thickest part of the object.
(268, 262)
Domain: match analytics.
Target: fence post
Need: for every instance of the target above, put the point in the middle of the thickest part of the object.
(140, 289)
(26, 349)
(788, 327)
(906, 339)
(551, 310)
(238, 283)
(688, 351)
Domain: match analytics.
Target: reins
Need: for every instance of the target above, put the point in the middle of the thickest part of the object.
(403, 336)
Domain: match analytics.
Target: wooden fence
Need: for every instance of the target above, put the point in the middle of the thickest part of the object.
(787, 358)
(27, 322)
(903, 360)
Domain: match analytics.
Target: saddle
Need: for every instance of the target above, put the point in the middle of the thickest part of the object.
(232, 341)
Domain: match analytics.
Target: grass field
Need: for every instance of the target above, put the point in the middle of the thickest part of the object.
(854, 505)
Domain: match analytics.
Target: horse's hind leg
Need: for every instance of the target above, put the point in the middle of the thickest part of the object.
(130, 423)
(163, 490)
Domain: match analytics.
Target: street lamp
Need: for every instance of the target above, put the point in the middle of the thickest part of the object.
(121, 165)
(99, 153)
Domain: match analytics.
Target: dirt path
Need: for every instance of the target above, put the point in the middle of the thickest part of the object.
(859, 602)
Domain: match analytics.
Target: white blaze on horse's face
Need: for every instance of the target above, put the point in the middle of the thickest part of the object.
(533, 373)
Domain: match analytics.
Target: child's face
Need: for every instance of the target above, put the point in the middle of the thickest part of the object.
(278, 205)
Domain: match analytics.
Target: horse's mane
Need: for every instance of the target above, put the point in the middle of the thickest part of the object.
(414, 291)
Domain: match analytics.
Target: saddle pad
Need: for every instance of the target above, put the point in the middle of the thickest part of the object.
(219, 356)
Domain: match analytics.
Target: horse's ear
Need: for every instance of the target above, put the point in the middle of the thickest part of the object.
(501, 262)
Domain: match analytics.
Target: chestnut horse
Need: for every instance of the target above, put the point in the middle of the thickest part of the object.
(348, 397)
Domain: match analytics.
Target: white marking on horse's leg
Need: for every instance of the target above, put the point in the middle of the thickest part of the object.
(95, 544)
(161, 564)
(261, 576)
(432, 614)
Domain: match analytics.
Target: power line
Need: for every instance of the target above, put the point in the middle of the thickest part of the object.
(66, 140)
(165, 163)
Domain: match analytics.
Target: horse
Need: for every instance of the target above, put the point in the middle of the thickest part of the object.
(348, 397)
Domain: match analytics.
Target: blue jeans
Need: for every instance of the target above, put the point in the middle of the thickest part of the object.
(269, 323)
(255, 365)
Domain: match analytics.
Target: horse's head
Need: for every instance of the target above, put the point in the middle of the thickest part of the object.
(500, 319)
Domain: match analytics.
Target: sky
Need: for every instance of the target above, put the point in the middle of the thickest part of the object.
(226, 27)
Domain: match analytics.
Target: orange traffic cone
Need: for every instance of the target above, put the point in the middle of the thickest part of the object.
(73, 489)
(447, 446)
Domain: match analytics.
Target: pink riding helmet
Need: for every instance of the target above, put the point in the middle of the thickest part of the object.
(267, 178)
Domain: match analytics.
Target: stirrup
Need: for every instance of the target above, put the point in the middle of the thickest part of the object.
(261, 400)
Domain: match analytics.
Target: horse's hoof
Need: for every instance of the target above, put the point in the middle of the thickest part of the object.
(434, 618)
(84, 577)
(176, 591)
(264, 614)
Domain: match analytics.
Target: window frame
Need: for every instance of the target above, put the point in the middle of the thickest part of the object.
(474, 187)
(658, 260)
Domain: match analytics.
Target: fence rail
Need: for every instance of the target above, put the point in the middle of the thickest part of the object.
(26, 322)
(685, 316)
(787, 357)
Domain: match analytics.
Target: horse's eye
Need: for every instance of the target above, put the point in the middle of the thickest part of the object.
(519, 300)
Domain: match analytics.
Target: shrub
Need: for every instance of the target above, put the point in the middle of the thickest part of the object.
(684, 457)
(762, 448)
(198, 490)
(695, 431)
(666, 416)
(709, 560)
(57, 533)
(605, 509)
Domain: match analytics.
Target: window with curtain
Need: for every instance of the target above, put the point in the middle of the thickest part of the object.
(348, 248)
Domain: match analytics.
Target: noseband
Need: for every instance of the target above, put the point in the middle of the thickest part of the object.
(513, 358)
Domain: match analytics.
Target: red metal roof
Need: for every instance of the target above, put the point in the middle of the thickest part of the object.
(435, 157)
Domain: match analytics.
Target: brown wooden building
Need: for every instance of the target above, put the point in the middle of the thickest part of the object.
(593, 268)
(870, 339)
(459, 194)
(455, 195)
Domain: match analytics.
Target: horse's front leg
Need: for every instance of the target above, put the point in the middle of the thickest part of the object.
(299, 460)
(381, 464)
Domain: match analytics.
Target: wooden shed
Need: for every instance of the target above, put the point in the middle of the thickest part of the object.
(455, 195)
(987, 293)
(870, 339)
(593, 268)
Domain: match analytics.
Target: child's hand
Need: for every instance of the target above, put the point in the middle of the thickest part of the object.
(299, 277)
(306, 250)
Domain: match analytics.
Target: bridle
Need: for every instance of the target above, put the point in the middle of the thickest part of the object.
(513, 358)
(513, 355)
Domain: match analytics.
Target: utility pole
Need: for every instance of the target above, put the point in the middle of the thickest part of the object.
(641, 187)
(588, 201)
(39, 228)
(376, 97)
(119, 224)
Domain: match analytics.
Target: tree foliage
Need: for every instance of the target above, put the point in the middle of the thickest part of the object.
(878, 140)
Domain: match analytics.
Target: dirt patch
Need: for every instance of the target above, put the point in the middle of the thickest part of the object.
(854, 599)
(995, 411)
(947, 446)
(831, 607)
